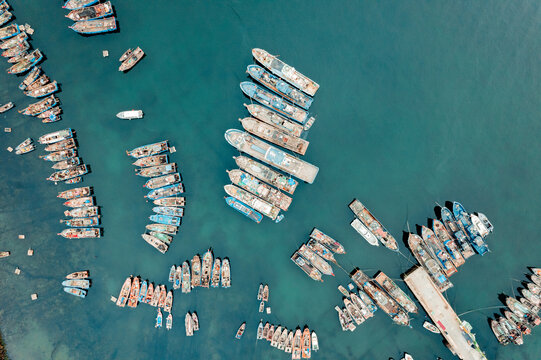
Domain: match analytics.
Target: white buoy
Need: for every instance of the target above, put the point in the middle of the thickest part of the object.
(105, 53)
(34, 296)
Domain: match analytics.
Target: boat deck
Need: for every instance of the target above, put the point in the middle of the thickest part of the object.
(442, 314)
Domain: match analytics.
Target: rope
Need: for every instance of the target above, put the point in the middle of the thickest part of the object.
(486, 308)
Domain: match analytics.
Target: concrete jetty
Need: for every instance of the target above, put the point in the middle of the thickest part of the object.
(457, 333)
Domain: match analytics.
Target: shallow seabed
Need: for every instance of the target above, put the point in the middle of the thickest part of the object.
(420, 102)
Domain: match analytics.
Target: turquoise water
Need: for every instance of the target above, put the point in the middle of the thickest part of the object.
(419, 103)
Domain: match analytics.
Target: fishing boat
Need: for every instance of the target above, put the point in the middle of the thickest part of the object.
(240, 331)
(206, 269)
(499, 332)
(75, 193)
(395, 292)
(157, 244)
(78, 4)
(260, 189)
(9, 31)
(479, 225)
(50, 114)
(386, 303)
(80, 233)
(164, 238)
(56, 136)
(296, 348)
(265, 293)
(5, 17)
(266, 174)
(82, 212)
(155, 296)
(165, 191)
(274, 102)
(168, 302)
(172, 273)
(61, 145)
(177, 277)
(511, 330)
(273, 118)
(67, 174)
(77, 283)
(354, 312)
(169, 322)
(534, 289)
(263, 151)
(437, 251)
(66, 164)
(18, 57)
(244, 209)
(159, 318)
(74, 180)
(132, 59)
(125, 55)
(171, 211)
(97, 11)
(532, 298)
(452, 228)
(196, 271)
(444, 238)
(282, 340)
(16, 50)
(308, 268)
(260, 292)
(188, 323)
(265, 331)
(78, 275)
(365, 310)
(215, 278)
(485, 222)
(42, 91)
(343, 290)
(134, 293)
(315, 342)
(186, 285)
(253, 201)
(163, 296)
(195, 321)
(14, 40)
(279, 86)
(130, 114)
(270, 334)
(80, 201)
(143, 291)
(39, 107)
(159, 170)
(274, 135)
(167, 229)
(82, 222)
(98, 26)
(6, 107)
(149, 150)
(464, 221)
(420, 252)
(536, 279)
(373, 224)
(170, 201)
(25, 149)
(521, 323)
(31, 76)
(368, 301)
(261, 306)
(328, 241)
(522, 311)
(226, 274)
(60, 155)
(306, 343)
(74, 291)
(152, 160)
(276, 336)
(26, 62)
(165, 219)
(286, 72)
(407, 357)
(315, 260)
(260, 330)
(39, 82)
(321, 250)
(364, 232)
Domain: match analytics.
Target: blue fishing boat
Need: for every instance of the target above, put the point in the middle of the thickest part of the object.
(165, 191)
(3, 6)
(244, 209)
(452, 228)
(159, 319)
(78, 4)
(143, 291)
(274, 102)
(9, 31)
(166, 210)
(75, 291)
(77, 283)
(165, 219)
(5, 17)
(97, 26)
(463, 217)
(279, 86)
(26, 63)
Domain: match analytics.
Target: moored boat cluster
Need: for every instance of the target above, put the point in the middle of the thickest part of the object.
(521, 315)
(263, 296)
(203, 273)
(280, 118)
(295, 342)
(77, 283)
(90, 16)
(312, 257)
(165, 185)
(84, 214)
(191, 323)
(25, 147)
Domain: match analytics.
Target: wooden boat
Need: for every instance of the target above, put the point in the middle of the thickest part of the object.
(289, 342)
(215, 278)
(26, 142)
(373, 224)
(81, 233)
(157, 244)
(163, 228)
(74, 291)
(4, 254)
(5, 17)
(266, 174)
(306, 343)
(270, 334)
(74, 180)
(437, 251)
(499, 332)
(30, 77)
(395, 292)
(82, 222)
(259, 335)
(45, 90)
(57, 110)
(62, 145)
(276, 336)
(162, 237)
(39, 82)
(168, 304)
(512, 332)
(169, 322)
(155, 296)
(9, 31)
(154, 171)
(39, 107)
(273, 118)
(448, 242)
(536, 279)
(196, 271)
(244, 209)
(226, 274)
(431, 327)
(150, 293)
(25, 149)
(163, 297)
(165, 219)
(166, 191)
(274, 135)
(162, 181)
(253, 201)
(132, 59)
(536, 271)
(261, 306)
(51, 119)
(125, 55)
(328, 241)
(60, 155)
(206, 268)
(18, 57)
(297, 345)
(18, 49)
(75, 193)
(80, 201)
(66, 164)
(78, 275)
(354, 312)
(171, 211)
(521, 323)
(124, 292)
(195, 321)
(315, 260)
(265, 331)
(82, 211)
(148, 150)
(186, 284)
(78, 4)
(534, 289)
(172, 273)
(6, 107)
(361, 305)
(177, 278)
(26, 62)
(97, 11)
(97, 26)
(13, 41)
(305, 266)
(159, 318)
(67, 174)
(152, 160)
(170, 201)
(265, 294)
(188, 323)
(260, 292)
(240, 331)
(77, 283)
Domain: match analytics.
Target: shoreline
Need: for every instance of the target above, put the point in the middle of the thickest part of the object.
(3, 352)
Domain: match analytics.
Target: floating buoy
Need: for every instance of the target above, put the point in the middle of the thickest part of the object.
(34, 296)
(7, 130)
(17, 271)
(10, 149)
(30, 252)
(21, 237)
(105, 53)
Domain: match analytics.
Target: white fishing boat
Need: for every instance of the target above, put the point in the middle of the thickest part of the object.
(130, 114)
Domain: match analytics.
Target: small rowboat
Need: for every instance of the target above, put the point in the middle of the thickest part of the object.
(240, 331)
(431, 327)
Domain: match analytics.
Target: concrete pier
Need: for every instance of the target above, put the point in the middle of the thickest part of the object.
(456, 333)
